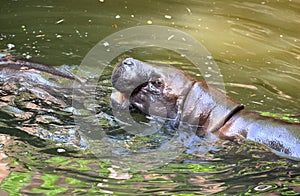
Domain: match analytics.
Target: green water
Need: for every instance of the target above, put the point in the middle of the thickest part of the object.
(256, 45)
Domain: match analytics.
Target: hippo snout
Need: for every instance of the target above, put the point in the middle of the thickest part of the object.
(120, 69)
(129, 74)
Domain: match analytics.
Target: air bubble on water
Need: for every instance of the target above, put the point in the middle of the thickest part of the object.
(105, 44)
(10, 46)
(61, 150)
(168, 17)
(28, 56)
(169, 38)
(78, 32)
(262, 187)
(189, 10)
(117, 16)
(67, 53)
(40, 35)
(59, 21)
(207, 75)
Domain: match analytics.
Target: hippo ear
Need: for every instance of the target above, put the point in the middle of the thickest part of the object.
(154, 87)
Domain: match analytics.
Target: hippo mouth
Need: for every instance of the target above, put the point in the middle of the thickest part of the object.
(119, 97)
(125, 101)
(122, 100)
(119, 100)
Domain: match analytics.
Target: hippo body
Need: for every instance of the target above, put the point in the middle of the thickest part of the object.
(166, 91)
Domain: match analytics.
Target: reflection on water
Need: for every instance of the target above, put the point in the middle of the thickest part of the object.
(231, 171)
(256, 45)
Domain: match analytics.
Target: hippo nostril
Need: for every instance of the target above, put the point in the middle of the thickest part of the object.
(128, 62)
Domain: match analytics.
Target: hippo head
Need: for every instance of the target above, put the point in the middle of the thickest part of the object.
(152, 89)
(165, 91)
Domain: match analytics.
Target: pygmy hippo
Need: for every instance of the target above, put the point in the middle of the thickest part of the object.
(163, 90)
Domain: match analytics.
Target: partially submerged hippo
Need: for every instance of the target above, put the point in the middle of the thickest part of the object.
(163, 90)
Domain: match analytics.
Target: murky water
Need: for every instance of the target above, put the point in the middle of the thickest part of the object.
(256, 45)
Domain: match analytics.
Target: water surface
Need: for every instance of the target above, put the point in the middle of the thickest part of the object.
(255, 44)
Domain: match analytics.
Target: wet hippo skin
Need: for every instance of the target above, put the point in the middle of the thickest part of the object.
(165, 91)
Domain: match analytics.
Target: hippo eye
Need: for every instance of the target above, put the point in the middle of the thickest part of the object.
(157, 84)
(154, 87)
